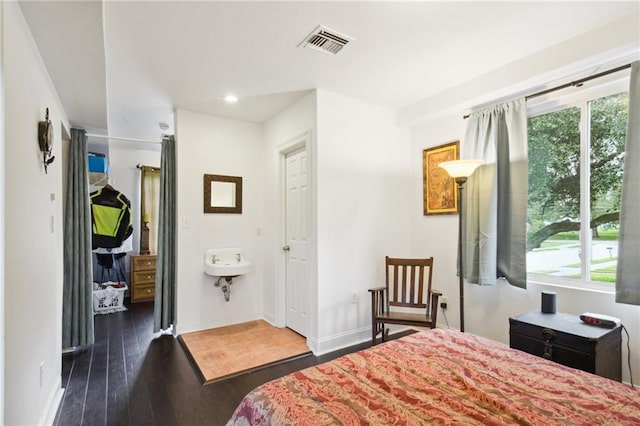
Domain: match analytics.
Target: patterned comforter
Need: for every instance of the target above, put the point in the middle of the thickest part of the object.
(440, 377)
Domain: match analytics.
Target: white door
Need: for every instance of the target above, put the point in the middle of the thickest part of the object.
(297, 241)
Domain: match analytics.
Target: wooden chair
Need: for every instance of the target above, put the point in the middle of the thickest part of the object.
(408, 285)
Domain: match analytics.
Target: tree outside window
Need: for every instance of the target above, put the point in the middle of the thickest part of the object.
(576, 174)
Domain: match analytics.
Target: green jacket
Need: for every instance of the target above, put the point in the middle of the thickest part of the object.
(110, 218)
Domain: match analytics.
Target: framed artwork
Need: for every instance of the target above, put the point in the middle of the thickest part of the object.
(439, 189)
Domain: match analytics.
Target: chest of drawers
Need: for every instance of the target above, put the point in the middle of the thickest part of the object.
(143, 278)
(565, 339)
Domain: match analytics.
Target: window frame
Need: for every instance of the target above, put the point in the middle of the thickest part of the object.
(580, 98)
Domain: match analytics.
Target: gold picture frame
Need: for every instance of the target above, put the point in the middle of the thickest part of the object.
(439, 189)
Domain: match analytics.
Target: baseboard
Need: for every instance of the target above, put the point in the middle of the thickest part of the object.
(355, 337)
(271, 319)
(53, 403)
(340, 341)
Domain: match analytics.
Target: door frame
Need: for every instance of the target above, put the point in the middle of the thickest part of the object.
(303, 140)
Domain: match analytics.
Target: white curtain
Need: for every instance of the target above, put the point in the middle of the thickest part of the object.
(628, 270)
(495, 197)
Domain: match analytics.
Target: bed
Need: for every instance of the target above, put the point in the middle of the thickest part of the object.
(440, 376)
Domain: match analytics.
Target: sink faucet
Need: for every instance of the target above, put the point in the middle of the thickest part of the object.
(239, 257)
(214, 259)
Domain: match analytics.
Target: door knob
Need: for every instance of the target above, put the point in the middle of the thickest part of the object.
(286, 248)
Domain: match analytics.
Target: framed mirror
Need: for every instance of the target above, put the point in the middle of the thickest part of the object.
(222, 194)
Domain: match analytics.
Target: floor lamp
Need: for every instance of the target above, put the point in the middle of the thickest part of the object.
(460, 170)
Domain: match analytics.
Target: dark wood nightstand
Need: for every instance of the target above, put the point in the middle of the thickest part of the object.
(565, 339)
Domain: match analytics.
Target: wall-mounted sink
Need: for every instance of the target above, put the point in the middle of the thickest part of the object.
(225, 262)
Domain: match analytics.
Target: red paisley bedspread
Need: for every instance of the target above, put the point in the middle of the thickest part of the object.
(440, 377)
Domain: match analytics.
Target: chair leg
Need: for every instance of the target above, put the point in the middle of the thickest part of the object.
(378, 328)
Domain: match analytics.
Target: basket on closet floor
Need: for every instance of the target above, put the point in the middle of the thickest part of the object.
(109, 299)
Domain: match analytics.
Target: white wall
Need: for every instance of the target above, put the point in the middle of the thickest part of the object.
(487, 309)
(436, 235)
(364, 190)
(296, 120)
(33, 231)
(589, 53)
(214, 145)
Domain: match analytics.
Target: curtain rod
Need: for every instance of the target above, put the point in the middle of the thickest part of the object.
(91, 135)
(576, 83)
(141, 167)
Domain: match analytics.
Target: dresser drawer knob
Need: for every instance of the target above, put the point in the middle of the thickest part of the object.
(148, 290)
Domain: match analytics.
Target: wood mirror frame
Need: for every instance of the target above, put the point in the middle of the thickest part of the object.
(210, 205)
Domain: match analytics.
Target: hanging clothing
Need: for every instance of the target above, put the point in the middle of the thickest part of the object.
(110, 218)
(126, 247)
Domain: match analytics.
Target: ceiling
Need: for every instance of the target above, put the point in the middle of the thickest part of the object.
(122, 67)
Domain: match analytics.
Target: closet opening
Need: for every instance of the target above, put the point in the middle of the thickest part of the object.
(124, 192)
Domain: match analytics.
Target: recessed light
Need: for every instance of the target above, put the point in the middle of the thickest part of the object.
(232, 99)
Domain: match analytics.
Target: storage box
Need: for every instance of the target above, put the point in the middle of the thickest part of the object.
(98, 164)
(109, 299)
(565, 339)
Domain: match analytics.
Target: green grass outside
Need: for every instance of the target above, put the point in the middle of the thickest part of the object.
(546, 271)
(601, 275)
(555, 245)
(608, 270)
(604, 275)
(603, 278)
(600, 278)
(552, 243)
(604, 235)
(593, 262)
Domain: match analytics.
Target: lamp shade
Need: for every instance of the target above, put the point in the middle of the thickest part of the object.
(460, 168)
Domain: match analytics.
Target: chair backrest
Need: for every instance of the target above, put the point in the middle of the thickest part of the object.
(408, 282)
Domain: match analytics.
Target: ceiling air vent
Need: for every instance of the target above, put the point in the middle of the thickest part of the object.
(325, 40)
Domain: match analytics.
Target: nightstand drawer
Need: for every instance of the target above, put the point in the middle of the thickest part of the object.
(144, 263)
(146, 292)
(144, 277)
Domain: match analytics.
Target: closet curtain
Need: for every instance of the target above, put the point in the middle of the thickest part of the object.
(495, 196)
(164, 309)
(628, 269)
(77, 307)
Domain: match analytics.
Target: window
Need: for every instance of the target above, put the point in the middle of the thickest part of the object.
(576, 159)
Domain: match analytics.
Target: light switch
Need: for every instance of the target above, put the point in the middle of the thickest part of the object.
(186, 222)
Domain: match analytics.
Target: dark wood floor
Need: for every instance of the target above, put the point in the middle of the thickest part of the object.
(132, 377)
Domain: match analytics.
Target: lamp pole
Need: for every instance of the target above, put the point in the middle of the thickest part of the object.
(460, 170)
(460, 181)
